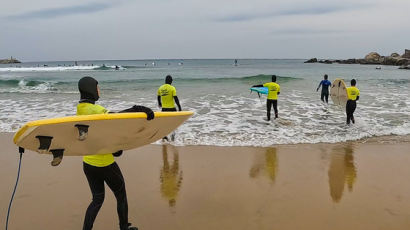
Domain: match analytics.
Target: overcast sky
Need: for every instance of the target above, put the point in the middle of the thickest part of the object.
(44, 30)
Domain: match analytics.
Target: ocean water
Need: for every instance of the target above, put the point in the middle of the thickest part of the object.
(226, 113)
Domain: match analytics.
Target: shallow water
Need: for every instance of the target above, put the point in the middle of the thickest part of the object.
(226, 113)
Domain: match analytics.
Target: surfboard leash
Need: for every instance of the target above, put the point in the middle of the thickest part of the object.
(21, 151)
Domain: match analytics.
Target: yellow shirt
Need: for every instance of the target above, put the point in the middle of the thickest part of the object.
(353, 93)
(273, 90)
(99, 160)
(167, 93)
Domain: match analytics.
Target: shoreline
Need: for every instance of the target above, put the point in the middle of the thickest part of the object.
(375, 139)
(351, 185)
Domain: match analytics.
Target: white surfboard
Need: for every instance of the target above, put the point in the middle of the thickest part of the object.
(107, 133)
(338, 92)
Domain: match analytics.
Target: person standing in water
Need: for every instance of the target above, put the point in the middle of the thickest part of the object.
(353, 95)
(102, 168)
(325, 89)
(167, 94)
(272, 100)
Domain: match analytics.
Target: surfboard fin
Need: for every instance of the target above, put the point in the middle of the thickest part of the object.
(82, 131)
(45, 142)
(57, 156)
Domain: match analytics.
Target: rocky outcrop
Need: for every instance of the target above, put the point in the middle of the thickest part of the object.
(405, 67)
(395, 55)
(9, 61)
(312, 60)
(372, 58)
(406, 54)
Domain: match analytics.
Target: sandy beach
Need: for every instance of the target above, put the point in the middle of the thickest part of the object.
(353, 185)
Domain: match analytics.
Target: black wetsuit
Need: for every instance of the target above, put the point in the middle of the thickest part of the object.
(96, 176)
(269, 104)
(350, 108)
(169, 109)
(325, 90)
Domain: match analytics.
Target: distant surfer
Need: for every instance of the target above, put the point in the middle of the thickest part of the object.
(353, 95)
(325, 89)
(167, 94)
(102, 168)
(272, 100)
(116, 67)
(236, 62)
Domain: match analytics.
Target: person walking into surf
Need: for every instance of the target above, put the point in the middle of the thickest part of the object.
(102, 167)
(325, 89)
(353, 95)
(272, 100)
(167, 94)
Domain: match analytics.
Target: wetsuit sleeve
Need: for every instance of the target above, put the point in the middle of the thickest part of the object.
(177, 102)
(140, 108)
(258, 86)
(159, 101)
(117, 154)
(321, 82)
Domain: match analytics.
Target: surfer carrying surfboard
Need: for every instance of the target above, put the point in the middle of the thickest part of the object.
(353, 95)
(102, 167)
(272, 100)
(325, 89)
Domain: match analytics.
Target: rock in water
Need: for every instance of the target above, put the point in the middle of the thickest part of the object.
(312, 60)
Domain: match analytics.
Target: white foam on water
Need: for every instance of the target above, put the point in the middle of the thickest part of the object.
(47, 68)
(237, 120)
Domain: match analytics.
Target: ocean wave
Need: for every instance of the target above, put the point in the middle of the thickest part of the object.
(26, 86)
(244, 79)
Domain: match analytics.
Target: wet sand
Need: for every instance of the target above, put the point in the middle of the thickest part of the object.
(314, 186)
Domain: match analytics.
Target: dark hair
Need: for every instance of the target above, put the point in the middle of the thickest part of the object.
(353, 82)
(168, 79)
(325, 76)
(273, 78)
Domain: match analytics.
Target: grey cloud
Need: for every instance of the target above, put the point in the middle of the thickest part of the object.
(63, 11)
(317, 10)
(307, 31)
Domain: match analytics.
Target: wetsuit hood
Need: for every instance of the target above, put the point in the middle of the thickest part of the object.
(88, 90)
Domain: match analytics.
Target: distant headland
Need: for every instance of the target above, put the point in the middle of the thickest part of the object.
(11, 60)
(372, 58)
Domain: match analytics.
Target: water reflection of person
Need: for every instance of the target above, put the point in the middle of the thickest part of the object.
(170, 176)
(268, 165)
(342, 170)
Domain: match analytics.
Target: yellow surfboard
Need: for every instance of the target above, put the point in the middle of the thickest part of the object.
(96, 134)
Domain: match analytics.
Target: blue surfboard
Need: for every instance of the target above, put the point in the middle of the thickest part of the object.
(262, 90)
